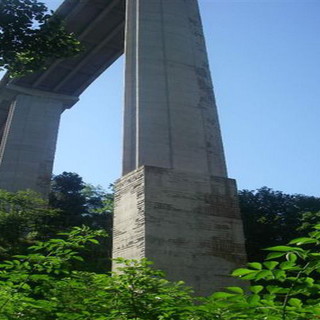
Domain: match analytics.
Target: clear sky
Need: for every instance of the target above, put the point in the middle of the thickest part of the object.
(265, 64)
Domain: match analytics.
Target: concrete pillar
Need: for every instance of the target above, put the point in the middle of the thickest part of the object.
(174, 204)
(28, 143)
(170, 114)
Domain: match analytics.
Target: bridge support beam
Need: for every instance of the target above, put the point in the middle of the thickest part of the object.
(28, 143)
(175, 204)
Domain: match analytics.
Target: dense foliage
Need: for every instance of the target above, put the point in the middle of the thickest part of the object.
(284, 286)
(58, 278)
(29, 36)
(26, 218)
(23, 218)
(273, 217)
(79, 204)
(44, 285)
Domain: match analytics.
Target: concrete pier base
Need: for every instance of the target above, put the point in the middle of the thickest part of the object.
(188, 224)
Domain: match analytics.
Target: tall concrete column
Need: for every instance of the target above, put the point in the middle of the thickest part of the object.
(171, 119)
(174, 204)
(28, 143)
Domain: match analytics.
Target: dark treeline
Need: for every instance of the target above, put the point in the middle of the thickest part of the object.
(272, 218)
(25, 218)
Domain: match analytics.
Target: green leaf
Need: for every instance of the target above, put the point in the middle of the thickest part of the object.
(274, 255)
(313, 254)
(264, 274)
(254, 299)
(286, 265)
(222, 295)
(256, 289)
(270, 264)
(255, 265)
(78, 258)
(269, 299)
(303, 240)
(309, 281)
(241, 271)
(235, 289)
(281, 248)
(294, 302)
(250, 276)
(22, 257)
(273, 289)
(291, 257)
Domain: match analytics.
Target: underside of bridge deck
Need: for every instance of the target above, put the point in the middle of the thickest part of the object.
(99, 25)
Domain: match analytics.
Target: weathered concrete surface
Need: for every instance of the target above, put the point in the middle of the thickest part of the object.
(28, 143)
(170, 117)
(187, 223)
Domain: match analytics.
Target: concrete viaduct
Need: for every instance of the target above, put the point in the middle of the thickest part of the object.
(174, 203)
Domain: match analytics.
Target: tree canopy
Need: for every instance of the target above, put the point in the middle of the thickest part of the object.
(30, 35)
(44, 285)
(80, 203)
(24, 217)
(66, 277)
(273, 217)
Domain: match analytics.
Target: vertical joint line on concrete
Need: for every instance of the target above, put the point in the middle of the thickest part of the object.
(166, 84)
(7, 129)
(3, 126)
(137, 85)
(133, 117)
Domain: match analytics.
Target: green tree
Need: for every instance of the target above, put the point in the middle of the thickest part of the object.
(66, 195)
(99, 215)
(308, 220)
(273, 217)
(24, 217)
(30, 35)
(82, 203)
(43, 285)
(285, 286)
(25, 281)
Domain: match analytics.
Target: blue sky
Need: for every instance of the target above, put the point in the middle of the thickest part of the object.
(265, 64)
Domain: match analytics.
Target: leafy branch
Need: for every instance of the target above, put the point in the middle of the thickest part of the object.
(30, 35)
